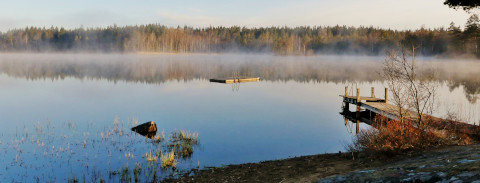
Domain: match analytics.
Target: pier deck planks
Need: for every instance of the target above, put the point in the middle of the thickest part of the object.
(235, 80)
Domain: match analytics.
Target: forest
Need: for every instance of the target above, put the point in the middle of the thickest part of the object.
(445, 42)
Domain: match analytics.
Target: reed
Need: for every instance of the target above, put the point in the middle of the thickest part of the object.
(159, 138)
(137, 172)
(185, 136)
(65, 144)
(151, 157)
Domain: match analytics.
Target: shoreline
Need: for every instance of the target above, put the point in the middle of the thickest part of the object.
(144, 53)
(298, 169)
(342, 166)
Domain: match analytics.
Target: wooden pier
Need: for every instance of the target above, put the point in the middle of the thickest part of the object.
(380, 106)
(235, 80)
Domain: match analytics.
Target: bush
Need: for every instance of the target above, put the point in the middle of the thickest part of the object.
(394, 137)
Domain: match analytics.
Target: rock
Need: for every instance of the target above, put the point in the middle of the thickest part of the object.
(441, 174)
(340, 179)
(148, 129)
(365, 171)
(426, 178)
(453, 178)
(463, 161)
(326, 180)
(466, 174)
(410, 168)
(407, 179)
(357, 176)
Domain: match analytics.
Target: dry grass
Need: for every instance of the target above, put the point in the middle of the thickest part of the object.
(182, 142)
(168, 160)
(180, 145)
(159, 138)
(151, 157)
(185, 136)
(394, 137)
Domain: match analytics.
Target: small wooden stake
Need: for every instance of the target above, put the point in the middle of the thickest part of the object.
(373, 92)
(386, 95)
(358, 103)
(358, 95)
(347, 104)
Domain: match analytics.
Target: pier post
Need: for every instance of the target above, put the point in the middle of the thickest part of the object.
(357, 128)
(386, 95)
(373, 92)
(346, 107)
(358, 95)
(358, 103)
(358, 111)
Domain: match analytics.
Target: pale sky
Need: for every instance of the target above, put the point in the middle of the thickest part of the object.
(394, 14)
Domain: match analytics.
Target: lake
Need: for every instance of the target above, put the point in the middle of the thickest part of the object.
(68, 116)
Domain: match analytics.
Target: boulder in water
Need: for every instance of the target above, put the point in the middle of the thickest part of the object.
(148, 129)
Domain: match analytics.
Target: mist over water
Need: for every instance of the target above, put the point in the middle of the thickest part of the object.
(183, 67)
(455, 75)
(58, 111)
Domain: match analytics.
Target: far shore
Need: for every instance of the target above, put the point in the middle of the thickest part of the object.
(360, 57)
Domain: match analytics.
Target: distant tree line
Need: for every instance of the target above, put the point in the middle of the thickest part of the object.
(277, 40)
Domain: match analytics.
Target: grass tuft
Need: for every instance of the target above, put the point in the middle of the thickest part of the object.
(151, 157)
(185, 136)
(168, 160)
(159, 138)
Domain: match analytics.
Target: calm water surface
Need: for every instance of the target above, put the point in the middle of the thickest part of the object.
(254, 122)
(61, 129)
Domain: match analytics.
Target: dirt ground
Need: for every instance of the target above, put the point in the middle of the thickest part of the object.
(315, 167)
(299, 169)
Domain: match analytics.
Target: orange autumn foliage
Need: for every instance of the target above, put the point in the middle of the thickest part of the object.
(393, 137)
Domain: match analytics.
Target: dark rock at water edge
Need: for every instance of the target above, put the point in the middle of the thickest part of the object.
(148, 129)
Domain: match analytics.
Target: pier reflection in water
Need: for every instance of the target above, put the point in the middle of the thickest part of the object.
(366, 117)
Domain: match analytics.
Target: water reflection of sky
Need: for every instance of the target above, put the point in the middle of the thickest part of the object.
(261, 121)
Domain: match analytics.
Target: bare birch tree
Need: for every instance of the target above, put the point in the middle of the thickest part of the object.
(412, 91)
